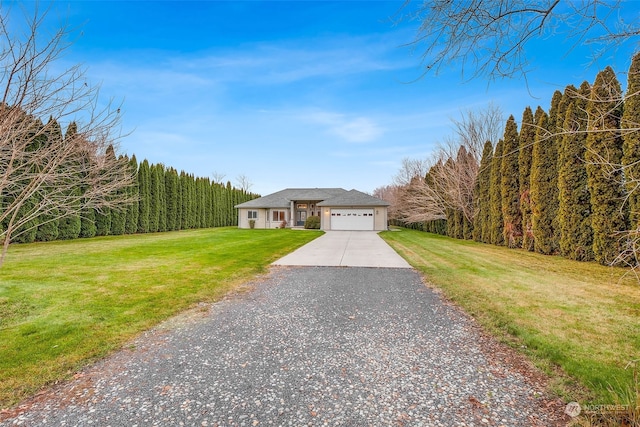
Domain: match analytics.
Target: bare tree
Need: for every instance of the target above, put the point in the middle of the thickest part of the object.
(43, 176)
(243, 183)
(389, 193)
(218, 177)
(428, 188)
(489, 38)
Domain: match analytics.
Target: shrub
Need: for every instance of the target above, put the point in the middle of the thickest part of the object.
(252, 224)
(312, 222)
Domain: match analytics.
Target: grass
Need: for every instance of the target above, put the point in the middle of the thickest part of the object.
(65, 304)
(578, 321)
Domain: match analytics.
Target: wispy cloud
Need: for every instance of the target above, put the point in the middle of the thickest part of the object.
(354, 129)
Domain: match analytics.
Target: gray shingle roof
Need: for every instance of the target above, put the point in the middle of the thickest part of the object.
(283, 198)
(353, 198)
(328, 196)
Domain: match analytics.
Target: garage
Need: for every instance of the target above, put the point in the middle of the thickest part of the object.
(352, 219)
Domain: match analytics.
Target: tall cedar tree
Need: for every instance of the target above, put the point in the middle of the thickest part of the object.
(526, 139)
(184, 188)
(603, 154)
(463, 158)
(631, 147)
(162, 205)
(193, 202)
(48, 223)
(171, 193)
(482, 212)
(559, 131)
(574, 212)
(154, 198)
(69, 225)
(103, 221)
(497, 224)
(103, 216)
(178, 201)
(119, 216)
(87, 217)
(511, 216)
(131, 223)
(544, 185)
(144, 187)
(27, 233)
(229, 202)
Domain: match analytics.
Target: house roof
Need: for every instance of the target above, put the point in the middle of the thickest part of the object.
(326, 196)
(283, 198)
(353, 198)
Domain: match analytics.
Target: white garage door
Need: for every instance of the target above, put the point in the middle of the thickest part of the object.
(352, 219)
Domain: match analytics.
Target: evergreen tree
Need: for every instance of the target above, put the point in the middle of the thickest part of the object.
(103, 222)
(27, 232)
(631, 147)
(184, 188)
(69, 224)
(544, 189)
(574, 211)
(526, 138)
(482, 198)
(171, 193)
(131, 219)
(604, 152)
(497, 224)
(154, 199)
(228, 205)
(510, 187)
(217, 200)
(119, 216)
(87, 222)
(162, 198)
(178, 201)
(144, 203)
(48, 223)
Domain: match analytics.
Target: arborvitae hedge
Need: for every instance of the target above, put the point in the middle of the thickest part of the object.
(171, 193)
(544, 188)
(574, 211)
(631, 147)
(497, 224)
(603, 155)
(144, 199)
(526, 139)
(69, 225)
(133, 210)
(88, 222)
(482, 197)
(511, 216)
(48, 228)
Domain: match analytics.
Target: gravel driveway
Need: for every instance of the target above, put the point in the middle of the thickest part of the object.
(307, 346)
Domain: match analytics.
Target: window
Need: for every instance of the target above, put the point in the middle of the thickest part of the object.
(252, 214)
(278, 215)
(302, 206)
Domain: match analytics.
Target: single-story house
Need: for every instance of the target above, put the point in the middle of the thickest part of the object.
(337, 208)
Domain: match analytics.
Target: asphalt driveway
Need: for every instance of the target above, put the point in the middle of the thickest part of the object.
(345, 249)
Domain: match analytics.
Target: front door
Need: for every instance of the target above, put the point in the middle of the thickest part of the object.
(302, 217)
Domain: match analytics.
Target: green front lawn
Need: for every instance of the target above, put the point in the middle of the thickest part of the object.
(64, 304)
(581, 317)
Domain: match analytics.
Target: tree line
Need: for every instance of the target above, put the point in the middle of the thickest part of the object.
(157, 199)
(564, 181)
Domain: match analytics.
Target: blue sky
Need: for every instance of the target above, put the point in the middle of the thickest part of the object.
(289, 94)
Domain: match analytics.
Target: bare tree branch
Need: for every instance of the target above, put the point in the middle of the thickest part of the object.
(41, 173)
(490, 38)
